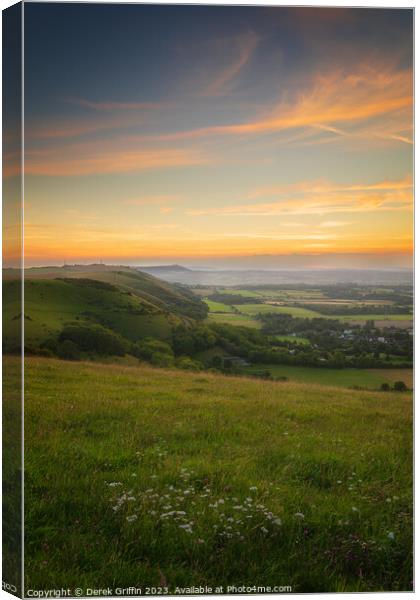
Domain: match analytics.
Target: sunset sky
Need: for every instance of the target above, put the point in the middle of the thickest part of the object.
(206, 135)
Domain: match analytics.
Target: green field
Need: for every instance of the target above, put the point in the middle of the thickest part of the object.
(244, 293)
(234, 319)
(141, 475)
(295, 311)
(292, 296)
(218, 307)
(292, 338)
(364, 378)
(376, 317)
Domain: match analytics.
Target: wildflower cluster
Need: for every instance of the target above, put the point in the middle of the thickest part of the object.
(192, 507)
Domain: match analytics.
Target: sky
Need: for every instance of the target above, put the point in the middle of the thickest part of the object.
(207, 135)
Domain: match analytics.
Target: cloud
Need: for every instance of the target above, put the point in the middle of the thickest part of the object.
(322, 198)
(244, 46)
(368, 102)
(69, 162)
(333, 100)
(323, 186)
(335, 223)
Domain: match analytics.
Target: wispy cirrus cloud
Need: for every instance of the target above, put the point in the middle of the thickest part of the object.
(320, 198)
(242, 47)
(113, 160)
(335, 100)
(368, 101)
(323, 186)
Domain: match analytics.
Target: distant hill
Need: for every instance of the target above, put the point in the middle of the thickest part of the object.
(231, 277)
(164, 268)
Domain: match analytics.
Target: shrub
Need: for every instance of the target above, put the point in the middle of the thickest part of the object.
(94, 338)
(185, 362)
(149, 346)
(385, 387)
(160, 359)
(68, 350)
(399, 386)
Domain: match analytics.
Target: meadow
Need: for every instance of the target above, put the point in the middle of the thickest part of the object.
(295, 311)
(234, 319)
(304, 303)
(348, 378)
(136, 475)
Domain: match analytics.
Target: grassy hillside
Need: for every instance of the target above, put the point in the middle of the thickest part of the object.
(134, 305)
(171, 478)
(50, 304)
(166, 296)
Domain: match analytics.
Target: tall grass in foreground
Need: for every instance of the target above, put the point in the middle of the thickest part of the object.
(139, 476)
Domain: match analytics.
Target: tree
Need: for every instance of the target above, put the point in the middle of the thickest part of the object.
(68, 350)
(146, 348)
(94, 338)
(399, 386)
(159, 359)
(185, 362)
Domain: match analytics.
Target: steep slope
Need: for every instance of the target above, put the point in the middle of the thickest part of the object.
(50, 304)
(168, 297)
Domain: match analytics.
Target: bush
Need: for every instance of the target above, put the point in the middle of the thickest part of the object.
(149, 346)
(185, 362)
(94, 338)
(399, 386)
(160, 359)
(68, 350)
(385, 387)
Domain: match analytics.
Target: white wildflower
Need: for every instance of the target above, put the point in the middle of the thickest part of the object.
(131, 518)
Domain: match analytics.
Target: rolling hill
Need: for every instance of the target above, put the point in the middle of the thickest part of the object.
(134, 305)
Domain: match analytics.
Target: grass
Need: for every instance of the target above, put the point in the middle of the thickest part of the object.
(222, 313)
(218, 307)
(295, 311)
(49, 304)
(139, 475)
(364, 378)
(293, 338)
(376, 317)
(244, 293)
(293, 294)
(234, 319)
